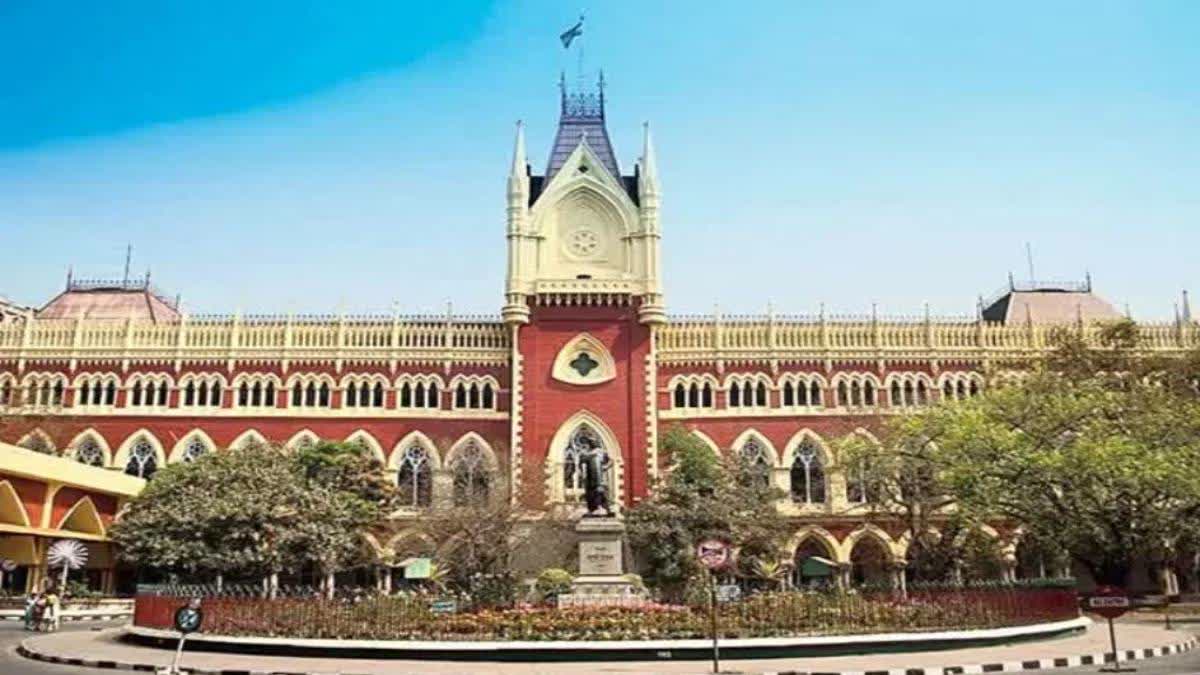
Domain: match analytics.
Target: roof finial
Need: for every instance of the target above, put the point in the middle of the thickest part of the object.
(70, 276)
(1012, 284)
(519, 166)
(1187, 307)
(649, 168)
(1029, 258)
(1087, 279)
(600, 87)
(128, 258)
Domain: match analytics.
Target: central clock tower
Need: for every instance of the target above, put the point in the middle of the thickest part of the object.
(582, 298)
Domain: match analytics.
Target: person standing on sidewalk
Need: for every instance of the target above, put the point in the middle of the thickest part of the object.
(30, 603)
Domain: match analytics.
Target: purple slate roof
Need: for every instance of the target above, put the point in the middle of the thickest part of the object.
(118, 300)
(571, 131)
(582, 120)
(1050, 306)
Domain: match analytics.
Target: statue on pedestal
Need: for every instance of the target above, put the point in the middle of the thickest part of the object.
(595, 465)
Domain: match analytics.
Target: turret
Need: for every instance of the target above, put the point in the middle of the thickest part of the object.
(515, 309)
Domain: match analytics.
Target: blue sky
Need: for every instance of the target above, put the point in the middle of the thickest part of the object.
(293, 156)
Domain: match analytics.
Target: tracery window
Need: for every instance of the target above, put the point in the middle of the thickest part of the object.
(414, 482)
(756, 463)
(143, 462)
(808, 475)
(193, 450)
(37, 442)
(472, 483)
(89, 452)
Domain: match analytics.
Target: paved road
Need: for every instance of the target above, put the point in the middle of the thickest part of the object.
(11, 634)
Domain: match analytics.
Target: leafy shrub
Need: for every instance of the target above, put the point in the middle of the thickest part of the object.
(552, 582)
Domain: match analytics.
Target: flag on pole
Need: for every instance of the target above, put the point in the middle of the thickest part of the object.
(571, 33)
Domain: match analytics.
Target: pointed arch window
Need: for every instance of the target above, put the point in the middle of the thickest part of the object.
(414, 482)
(808, 475)
(193, 450)
(143, 462)
(472, 483)
(89, 452)
(38, 442)
(756, 463)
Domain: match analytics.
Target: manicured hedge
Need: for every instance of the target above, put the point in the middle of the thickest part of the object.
(763, 615)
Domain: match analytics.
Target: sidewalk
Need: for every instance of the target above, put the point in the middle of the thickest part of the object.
(102, 649)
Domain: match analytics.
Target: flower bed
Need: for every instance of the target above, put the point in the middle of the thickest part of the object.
(764, 615)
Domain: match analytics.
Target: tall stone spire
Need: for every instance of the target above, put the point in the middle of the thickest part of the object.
(1187, 308)
(518, 174)
(648, 174)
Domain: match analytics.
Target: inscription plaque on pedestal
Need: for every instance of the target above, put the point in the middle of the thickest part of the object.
(601, 564)
(600, 558)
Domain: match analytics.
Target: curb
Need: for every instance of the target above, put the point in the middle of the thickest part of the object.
(84, 617)
(1008, 667)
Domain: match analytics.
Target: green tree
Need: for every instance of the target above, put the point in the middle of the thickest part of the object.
(231, 513)
(257, 510)
(1097, 450)
(704, 496)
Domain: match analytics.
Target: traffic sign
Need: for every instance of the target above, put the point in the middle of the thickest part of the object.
(189, 618)
(713, 553)
(1109, 602)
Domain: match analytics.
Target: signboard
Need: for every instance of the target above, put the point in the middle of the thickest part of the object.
(729, 593)
(713, 553)
(417, 568)
(189, 618)
(1109, 602)
(445, 606)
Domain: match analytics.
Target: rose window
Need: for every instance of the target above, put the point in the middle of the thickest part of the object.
(583, 243)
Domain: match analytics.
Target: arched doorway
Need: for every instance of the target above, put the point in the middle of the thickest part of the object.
(869, 562)
(815, 564)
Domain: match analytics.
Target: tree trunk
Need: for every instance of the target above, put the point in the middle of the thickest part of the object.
(329, 584)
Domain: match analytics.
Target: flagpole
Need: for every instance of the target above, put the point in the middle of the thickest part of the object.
(579, 75)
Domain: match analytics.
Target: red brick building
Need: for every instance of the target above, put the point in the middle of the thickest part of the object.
(115, 376)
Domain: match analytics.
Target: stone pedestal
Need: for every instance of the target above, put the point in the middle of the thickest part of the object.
(601, 565)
